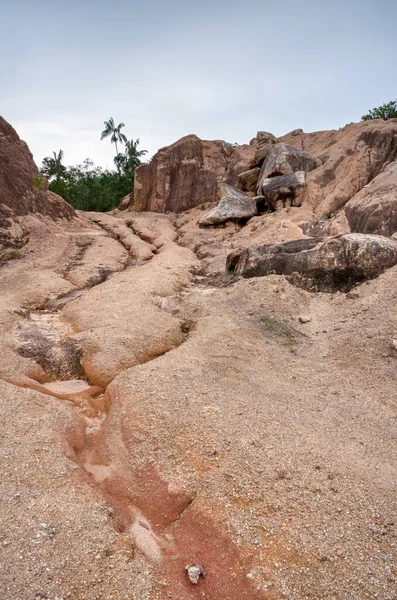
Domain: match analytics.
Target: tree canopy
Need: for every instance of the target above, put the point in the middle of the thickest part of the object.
(385, 112)
(87, 187)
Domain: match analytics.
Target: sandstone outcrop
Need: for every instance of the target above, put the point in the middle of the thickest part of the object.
(20, 192)
(187, 173)
(139, 249)
(374, 208)
(352, 157)
(23, 191)
(335, 263)
(170, 430)
(233, 206)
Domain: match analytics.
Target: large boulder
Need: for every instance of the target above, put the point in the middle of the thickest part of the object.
(234, 206)
(284, 191)
(263, 143)
(283, 159)
(335, 263)
(374, 208)
(186, 174)
(248, 180)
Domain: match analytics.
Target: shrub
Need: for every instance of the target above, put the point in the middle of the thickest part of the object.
(38, 182)
(385, 112)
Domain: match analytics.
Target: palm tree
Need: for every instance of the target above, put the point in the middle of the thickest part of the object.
(115, 132)
(133, 154)
(53, 167)
(131, 157)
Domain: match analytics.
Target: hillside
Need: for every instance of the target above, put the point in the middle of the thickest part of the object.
(198, 389)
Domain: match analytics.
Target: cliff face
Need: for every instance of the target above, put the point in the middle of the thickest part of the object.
(187, 173)
(21, 191)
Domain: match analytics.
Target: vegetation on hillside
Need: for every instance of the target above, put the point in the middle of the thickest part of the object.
(87, 187)
(385, 112)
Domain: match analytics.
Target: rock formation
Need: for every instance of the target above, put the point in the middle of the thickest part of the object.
(170, 429)
(283, 190)
(187, 173)
(285, 160)
(336, 263)
(360, 148)
(23, 191)
(233, 206)
(374, 208)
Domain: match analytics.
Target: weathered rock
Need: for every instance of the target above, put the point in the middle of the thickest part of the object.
(194, 572)
(240, 159)
(361, 148)
(284, 190)
(264, 137)
(234, 206)
(336, 263)
(187, 173)
(261, 153)
(143, 187)
(304, 319)
(22, 189)
(138, 248)
(249, 179)
(283, 160)
(126, 202)
(374, 208)
(264, 141)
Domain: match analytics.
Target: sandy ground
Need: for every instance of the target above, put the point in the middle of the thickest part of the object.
(156, 413)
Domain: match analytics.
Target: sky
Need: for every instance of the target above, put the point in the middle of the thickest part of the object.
(167, 68)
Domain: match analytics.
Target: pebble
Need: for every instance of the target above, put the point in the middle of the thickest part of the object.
(303, 319)
(194, 572)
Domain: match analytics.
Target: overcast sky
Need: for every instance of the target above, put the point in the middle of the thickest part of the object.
(167, 68)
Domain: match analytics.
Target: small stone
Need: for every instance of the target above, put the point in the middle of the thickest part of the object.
(303, 319)
(352, 295)
(45, 531)
(212, 453)
(394, 344)
(210, 409)
(194, 572)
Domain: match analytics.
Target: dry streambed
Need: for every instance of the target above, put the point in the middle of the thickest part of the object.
(206, 431)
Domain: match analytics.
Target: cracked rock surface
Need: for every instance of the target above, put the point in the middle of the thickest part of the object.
(206, 422)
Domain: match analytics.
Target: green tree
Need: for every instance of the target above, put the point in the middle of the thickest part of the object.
(114, 132)
(385, 112)
(131, 158)
(87, 187)
(52, 166)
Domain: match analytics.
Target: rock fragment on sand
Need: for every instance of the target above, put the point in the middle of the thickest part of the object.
(194, 572)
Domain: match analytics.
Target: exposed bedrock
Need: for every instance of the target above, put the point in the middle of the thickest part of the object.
(332, 264)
